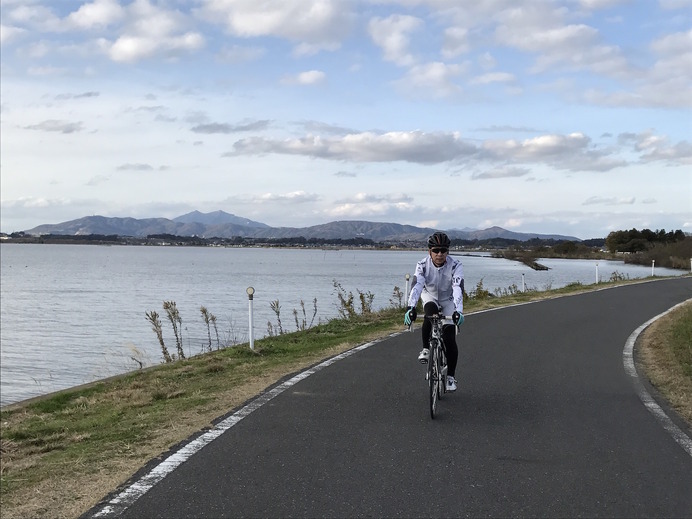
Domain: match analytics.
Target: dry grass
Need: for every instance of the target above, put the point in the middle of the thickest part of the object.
(665, 353)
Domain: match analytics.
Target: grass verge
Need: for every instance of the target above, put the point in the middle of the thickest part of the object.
(62, 453)
(665, 353)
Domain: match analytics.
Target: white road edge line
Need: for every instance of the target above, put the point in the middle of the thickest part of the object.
(628, 360)
(127, 497)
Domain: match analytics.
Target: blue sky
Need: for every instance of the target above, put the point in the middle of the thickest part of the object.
(549, 116)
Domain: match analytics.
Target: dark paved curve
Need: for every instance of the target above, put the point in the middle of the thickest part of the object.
(546, 423)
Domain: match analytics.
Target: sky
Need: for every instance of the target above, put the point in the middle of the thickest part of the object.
(569, 117)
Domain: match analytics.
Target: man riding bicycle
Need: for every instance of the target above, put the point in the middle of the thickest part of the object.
(440, 284)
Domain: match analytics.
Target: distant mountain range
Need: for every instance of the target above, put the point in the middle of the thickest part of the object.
(225, 225)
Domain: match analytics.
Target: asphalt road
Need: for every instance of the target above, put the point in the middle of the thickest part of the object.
(546, 423)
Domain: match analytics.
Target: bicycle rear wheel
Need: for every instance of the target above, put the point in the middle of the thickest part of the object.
(440, 378)
(442, 370)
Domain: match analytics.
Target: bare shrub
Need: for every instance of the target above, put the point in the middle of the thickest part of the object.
(397, 298)
(207, 316)
(276, 308)
(303, 323)
(617, 276)
(480, 292)
(345, 307)
(366, 299)
(153, 318)
(177, 324)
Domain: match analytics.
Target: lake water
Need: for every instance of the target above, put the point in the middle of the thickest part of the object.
(72, 314)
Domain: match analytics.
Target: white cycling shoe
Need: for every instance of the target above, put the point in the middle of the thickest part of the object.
(451, 383)
(424, 355)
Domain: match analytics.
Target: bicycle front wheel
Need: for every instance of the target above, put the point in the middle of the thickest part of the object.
(433, 380)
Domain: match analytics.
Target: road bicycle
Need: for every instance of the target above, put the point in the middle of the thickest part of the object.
(436, 374)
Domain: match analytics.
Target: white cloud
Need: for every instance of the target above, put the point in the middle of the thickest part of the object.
(573, 152)
(97, 14)
(455, 42)
(364, 205)
(556, 44)
(392, 35)
(493, 77)
(9, 33)
(243, 126)
(536, 148)
(370, 198)
(97, 180)
(309, 77)
(134, 48)
(416, 147)
(658, 148)
(669, 81)
(135, 167)
(675, 4)
(149, 31)
(46, 71)
(313, 24)
(555, 40)
(431, 80)
(53, 125)
(570, 152)
(501, 172)
(674, 44)
(600, 200)
(602, 4)
(487, 61)
(32, 16)
(240, 54)
(292, 197)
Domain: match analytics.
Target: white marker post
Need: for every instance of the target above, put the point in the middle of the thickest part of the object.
(250, 292)
(653, 262)
(598, 278)
(408, 276)
(523, 283)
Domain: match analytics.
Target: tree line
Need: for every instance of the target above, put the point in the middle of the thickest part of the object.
(638, 241)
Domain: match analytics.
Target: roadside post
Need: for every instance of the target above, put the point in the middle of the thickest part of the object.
(523, 283)
(250, 293)
(408, 277)
(598, 279)
(653, 262)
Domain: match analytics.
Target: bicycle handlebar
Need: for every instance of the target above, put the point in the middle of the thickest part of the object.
(435, 316)
(441, 317)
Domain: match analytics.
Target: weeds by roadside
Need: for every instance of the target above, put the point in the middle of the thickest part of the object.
(346, 307)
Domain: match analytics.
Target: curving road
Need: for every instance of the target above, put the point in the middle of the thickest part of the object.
(546, 423)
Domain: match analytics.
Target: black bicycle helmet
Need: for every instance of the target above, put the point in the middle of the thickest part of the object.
(438, 239)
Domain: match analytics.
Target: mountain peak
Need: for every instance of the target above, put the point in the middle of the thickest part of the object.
(217, 218)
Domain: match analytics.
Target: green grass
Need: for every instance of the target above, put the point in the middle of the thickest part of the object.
(109, 429)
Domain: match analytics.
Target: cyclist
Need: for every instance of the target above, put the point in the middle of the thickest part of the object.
(440, 284)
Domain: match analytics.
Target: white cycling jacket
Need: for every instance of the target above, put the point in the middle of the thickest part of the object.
(443, 285)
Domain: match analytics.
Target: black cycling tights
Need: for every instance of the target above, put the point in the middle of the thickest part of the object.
(448, 336)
